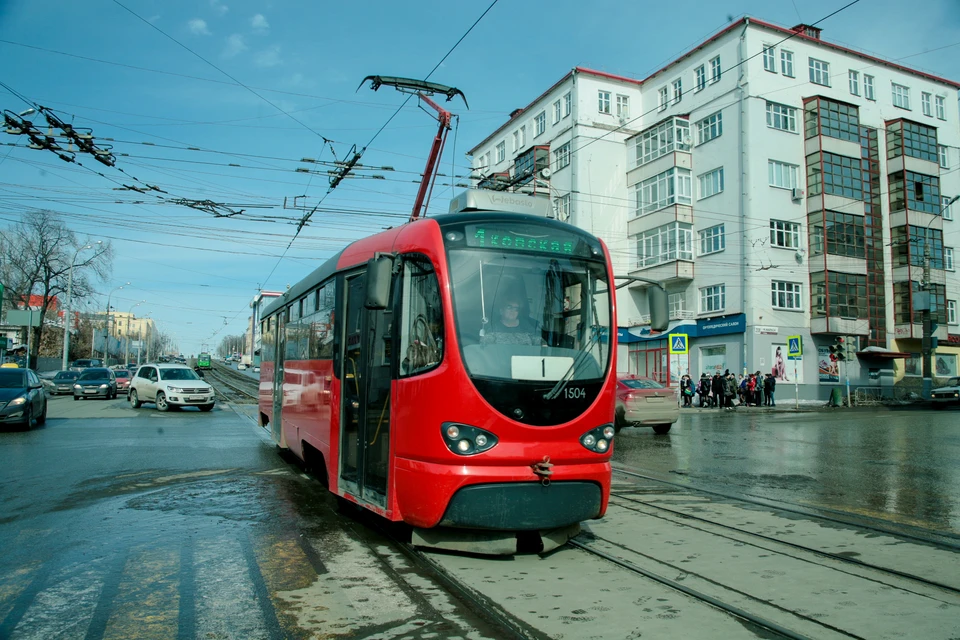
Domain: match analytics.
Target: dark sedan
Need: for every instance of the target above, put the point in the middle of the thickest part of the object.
(63, 381)
(22, 398)
(95, 382)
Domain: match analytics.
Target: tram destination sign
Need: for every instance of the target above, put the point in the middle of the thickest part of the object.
(526, 238)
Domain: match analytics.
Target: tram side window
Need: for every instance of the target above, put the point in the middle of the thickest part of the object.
(421, 328)
(321, 325)
(266, 340)
(292, 330)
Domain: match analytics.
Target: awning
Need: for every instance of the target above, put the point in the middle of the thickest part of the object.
(880, 352)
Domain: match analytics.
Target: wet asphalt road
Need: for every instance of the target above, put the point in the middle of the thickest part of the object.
(897, 465)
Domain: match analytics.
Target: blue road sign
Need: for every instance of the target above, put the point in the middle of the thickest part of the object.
(679, 343)
(794, 347)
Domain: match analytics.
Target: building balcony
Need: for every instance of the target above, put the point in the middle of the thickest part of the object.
(681, 159)
(831, 145)
(673, 213)
(909, 331)
(836, 325)
(644, 318)
(829, 201)
(906, 273)
(670, 272)
(842, 264)
(909, 163)
(916, 219)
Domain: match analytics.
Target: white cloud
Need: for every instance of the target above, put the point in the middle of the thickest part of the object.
(259, 23)
(268, 58)
(235, 46)
(198, 27)
(219, 7)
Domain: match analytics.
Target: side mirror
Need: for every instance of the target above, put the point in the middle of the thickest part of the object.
(379, 279)
(659, 308)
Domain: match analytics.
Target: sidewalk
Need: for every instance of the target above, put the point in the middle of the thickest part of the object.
(805, 406)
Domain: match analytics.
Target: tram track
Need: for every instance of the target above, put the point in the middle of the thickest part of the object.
(245, 391)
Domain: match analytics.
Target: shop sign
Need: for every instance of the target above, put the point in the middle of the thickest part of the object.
(766, 331)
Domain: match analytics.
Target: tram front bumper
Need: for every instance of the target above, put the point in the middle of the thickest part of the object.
(506, 498)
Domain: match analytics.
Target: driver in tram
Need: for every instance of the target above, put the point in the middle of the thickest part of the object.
(513, 325)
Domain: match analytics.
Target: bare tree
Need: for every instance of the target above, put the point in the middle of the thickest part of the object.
(36, 261)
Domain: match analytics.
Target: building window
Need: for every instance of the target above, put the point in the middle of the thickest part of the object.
(710, 127)
(951, 312)
(673, 186)
(710, 183)
(769, 58)
(945, 207)
(603, 101)
(780, 116)
(942, 152)
(561, 207)
(819, 72)
(948, 258)
(700, 78)
(501, 151)
(673, 241)
(925, 104)
(833, 119)
(677, 90)
(909, 250)
(561, 157)
(715, 69)
(785, 235)
(667, 137)
(901, 95)
(662, 99)
(912, 139)
(677, 304)
(556, 112)
(516, 140)
(847, 297)
(834, 175)
(713, 298)
(567, 103)
(712, 240)
(941, 113)
(539, 124)
(840, 234)
(782, 175)
(786, 63)
(914, 191)
(868, 92)
(623, 107)
(903, 293)
(854, 77)
(785, 295)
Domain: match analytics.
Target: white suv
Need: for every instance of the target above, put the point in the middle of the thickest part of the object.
(170, 385)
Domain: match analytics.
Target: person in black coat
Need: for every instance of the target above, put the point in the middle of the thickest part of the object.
(769, 386)
(717, 388)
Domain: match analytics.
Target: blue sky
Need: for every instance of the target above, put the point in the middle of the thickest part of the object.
(196, 272)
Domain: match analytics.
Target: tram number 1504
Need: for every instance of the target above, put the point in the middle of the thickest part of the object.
(574, 393)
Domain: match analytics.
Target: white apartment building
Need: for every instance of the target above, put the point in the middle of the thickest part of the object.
(777, 184)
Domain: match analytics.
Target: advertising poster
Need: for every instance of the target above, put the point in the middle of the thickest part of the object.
(945, 366)
(783, 369)
(679, 366)
(829, 370)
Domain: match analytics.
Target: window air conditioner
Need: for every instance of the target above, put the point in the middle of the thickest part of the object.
(797, 195)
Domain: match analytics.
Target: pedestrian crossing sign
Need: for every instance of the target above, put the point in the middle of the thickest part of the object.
(679, 343)
(794, 347)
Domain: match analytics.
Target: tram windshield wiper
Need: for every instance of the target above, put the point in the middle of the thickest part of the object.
(582, 355)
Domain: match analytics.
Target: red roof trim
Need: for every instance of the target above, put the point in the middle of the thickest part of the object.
(802, 36)
(518, 112)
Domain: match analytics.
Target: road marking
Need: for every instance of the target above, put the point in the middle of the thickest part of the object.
(147, 600)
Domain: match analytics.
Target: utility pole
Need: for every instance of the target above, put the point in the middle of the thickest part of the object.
(926, 345)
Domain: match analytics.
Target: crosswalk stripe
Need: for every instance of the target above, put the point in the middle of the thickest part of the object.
(225, 599)
(147, 599)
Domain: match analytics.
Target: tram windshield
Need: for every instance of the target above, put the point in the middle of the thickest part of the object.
(531, 317)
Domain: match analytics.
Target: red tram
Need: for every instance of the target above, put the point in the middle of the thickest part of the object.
(455, 373)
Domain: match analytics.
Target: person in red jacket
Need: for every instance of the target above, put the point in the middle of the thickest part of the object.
(752, 390)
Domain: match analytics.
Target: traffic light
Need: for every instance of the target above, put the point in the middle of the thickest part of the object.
(838, 350)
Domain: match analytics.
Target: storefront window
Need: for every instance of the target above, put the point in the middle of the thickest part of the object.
(713, 359)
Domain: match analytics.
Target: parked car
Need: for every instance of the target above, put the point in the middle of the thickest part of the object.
(256, 369)
(63, 381)
(80, 365)
(170, 385)
(95, 382)
(645, 402)
(947, 394)
(123, 380)
(22, 398)
(241, 366)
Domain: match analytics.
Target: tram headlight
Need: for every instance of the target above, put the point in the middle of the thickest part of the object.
(464, 440)
(599, 439)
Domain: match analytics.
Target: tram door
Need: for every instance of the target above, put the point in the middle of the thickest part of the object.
(279, 354)
(365, 414)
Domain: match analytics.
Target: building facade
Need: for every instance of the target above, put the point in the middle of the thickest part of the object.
(777, 184)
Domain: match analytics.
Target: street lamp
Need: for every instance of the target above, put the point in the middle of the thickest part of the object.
(68, 309)
(926, 345)
(126, 351)
(106, 333)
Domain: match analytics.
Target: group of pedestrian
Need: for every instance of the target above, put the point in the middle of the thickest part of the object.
(721, 391)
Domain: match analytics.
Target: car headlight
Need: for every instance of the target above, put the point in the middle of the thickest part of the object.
(104, 386)
(76, 386)
(17, 401)
(175, 389)
(598, 439)
(465, 440)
